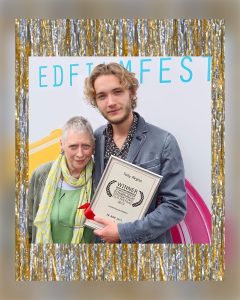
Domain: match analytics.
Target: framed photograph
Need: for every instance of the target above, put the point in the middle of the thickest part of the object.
(180, 64)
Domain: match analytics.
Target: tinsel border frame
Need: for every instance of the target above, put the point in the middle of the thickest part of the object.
(120, 37)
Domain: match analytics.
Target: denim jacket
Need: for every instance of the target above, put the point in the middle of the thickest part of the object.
(155, 150)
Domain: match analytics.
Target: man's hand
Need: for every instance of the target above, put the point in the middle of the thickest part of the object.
(109, 233)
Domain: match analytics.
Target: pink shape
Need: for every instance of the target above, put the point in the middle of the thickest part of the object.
(196, 228)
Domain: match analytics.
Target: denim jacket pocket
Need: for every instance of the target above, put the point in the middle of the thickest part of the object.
(152, 164)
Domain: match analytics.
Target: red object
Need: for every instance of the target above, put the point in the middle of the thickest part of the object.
(89, 214)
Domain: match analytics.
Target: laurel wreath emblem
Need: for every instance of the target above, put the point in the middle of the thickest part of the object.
(108, 188)
(140, 201)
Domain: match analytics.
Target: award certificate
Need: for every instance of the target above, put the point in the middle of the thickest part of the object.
(124, 192)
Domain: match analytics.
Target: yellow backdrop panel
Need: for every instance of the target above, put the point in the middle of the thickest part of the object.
(44, 150)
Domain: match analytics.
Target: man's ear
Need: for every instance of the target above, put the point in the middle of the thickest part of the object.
(132, 94)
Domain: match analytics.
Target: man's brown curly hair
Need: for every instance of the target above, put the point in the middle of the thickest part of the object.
(127, 80)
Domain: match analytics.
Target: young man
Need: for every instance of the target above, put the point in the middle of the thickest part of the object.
(112, 89)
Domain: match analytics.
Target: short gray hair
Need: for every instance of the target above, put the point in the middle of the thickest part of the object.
(78, 124)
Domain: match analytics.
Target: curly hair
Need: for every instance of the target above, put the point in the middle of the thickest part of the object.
(127, 80)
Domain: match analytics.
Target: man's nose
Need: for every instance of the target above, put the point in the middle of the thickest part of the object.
(111, 100)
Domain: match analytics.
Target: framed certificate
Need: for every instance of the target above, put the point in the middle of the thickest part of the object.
(124, 192)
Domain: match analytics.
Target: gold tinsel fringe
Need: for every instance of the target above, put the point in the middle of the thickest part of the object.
(120, 37)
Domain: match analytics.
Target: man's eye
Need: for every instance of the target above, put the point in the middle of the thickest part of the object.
(100, 97)
(117, 92)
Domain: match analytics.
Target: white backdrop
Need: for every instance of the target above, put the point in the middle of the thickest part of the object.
(174, 94)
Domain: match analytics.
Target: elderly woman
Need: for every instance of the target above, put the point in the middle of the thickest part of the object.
(58, 188)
